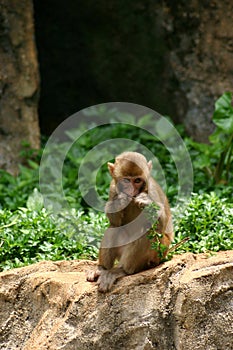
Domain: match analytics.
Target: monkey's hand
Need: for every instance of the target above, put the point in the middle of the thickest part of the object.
(117, 204)
(143, 200)
(114, 209)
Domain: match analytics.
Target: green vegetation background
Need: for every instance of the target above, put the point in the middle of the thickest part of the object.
(30, 233)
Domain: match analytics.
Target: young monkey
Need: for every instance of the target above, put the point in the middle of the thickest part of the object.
(131, 189)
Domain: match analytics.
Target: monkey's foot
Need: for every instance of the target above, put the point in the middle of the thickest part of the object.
(106, 281)
(92, 276)
(108, 277)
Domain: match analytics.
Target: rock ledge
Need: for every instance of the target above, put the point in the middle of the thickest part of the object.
(186, 303)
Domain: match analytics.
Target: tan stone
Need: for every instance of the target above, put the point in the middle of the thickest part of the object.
(185, 303)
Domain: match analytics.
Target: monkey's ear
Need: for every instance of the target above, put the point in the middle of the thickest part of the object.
(111, 168)
(149, 165)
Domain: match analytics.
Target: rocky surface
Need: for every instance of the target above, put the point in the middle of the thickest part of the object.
(19, 82)
(201, 54)
(172, 56)
(186, 303)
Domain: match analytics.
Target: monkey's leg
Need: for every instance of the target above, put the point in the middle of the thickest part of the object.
(107, 257)
(106, 273)
(136, 256)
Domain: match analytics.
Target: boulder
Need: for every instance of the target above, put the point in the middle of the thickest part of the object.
(185, 303)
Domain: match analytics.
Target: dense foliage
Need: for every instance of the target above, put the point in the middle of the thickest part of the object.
(208, 222)
(30, 232)
(29, 235)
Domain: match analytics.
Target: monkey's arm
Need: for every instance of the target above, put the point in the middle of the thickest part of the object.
(114, 208)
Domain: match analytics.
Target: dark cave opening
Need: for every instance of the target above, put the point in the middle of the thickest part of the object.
(93, 53)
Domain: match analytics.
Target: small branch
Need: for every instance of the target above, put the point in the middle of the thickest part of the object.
(177, 245)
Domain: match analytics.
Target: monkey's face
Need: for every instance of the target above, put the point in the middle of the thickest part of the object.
(131, 186)
(130, 173)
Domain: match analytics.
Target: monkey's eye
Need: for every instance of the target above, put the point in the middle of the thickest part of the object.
(137, 180)
(125, 180)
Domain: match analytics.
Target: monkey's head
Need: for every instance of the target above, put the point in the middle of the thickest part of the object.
(130, 173)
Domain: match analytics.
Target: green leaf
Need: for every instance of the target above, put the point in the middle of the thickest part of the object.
(202, 161)
(35, 201)
(223, 115)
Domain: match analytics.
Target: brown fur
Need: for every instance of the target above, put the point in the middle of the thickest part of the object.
(127, 221)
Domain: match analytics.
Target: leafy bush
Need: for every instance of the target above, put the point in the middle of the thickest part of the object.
(28, 236)
(216, 158)
(208, 221)
(30, 233)
(14, 190)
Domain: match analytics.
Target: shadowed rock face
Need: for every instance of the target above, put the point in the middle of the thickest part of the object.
(186, 303)
(19, 82)
(201, 54)
(172, 56)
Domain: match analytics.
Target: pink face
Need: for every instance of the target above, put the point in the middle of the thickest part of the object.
(131, 186)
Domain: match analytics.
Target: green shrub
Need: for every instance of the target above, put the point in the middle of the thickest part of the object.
(216, 158)
(28, 235)
(14, 190)
(208, 221)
